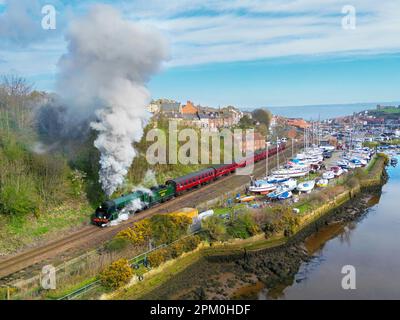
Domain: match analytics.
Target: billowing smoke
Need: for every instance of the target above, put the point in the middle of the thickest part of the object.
(150, 179)
(103, 77)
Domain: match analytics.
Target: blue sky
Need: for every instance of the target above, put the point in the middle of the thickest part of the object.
(247, 53)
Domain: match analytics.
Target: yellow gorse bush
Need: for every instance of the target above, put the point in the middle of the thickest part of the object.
(116, 274)
(137, 234)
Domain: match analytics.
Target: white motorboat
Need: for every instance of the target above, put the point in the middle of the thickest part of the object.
(343, 163)
(337, 171)
(328, 175)
(290, 184)
(273, 179)
(278, 192)
(306, 186)
(291, 173)
(327, 148)
(285, 195)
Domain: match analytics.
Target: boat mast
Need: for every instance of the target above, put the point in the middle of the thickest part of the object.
(266, 162)
(277, 151)
(292, 148)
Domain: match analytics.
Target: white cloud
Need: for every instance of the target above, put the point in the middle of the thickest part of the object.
(215, 31)
(208, 31)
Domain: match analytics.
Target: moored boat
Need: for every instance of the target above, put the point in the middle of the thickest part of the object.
(245, 198)
(285, 195)
(306, 186)
(322, 183)
(337, 171)
(261, 186)
(328, 175)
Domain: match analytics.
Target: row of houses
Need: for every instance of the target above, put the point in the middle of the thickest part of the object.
(210, 118)
(196, 115)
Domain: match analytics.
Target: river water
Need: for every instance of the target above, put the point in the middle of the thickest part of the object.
(371, 245)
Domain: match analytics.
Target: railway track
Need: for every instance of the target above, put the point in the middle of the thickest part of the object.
(89, 236)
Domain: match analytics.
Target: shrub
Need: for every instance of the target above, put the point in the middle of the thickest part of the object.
(158, 257)
(177, 249)
(283, 220)
(290, 222)
(243, 226)
(168, 228)
(116, 274)
(353, 182)
(271, 228)
(318, 198)
(19, 196)
(360, 173)
(191, 243)
(77, 182)
(138, 234)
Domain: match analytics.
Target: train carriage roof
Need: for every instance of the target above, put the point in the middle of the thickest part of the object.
(191, 175)
(218, 166)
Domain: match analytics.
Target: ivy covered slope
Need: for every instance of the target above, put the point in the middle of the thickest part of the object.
(40, 192)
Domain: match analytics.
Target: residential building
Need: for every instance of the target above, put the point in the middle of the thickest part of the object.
(189, 108)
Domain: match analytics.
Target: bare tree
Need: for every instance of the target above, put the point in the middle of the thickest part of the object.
(15, 85)
(15, 102)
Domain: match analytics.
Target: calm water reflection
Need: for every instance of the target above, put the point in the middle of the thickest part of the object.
(370, 245)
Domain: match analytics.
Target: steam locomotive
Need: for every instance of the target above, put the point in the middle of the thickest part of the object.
(142, 200)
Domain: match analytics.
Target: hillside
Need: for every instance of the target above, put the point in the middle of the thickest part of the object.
(49, 180)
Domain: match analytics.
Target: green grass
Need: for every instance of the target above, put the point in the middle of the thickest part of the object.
(304, 207)
(390, 110)
(371, 164)
(59, 293)
(224, 210)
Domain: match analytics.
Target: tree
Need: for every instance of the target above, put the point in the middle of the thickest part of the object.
(169, 227)
(245, 122)
(243, 226)
(263, 116)
(117, 274)
(263, 130)
(16, 101)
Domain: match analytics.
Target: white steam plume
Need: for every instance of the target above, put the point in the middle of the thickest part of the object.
(103, 77)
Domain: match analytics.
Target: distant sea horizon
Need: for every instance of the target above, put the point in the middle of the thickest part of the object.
(325, 111)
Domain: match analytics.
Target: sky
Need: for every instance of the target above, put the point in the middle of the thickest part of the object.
(247, 53)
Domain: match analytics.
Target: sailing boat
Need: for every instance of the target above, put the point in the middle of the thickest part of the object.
(262, 186)
(284, 190)
(306, 186)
